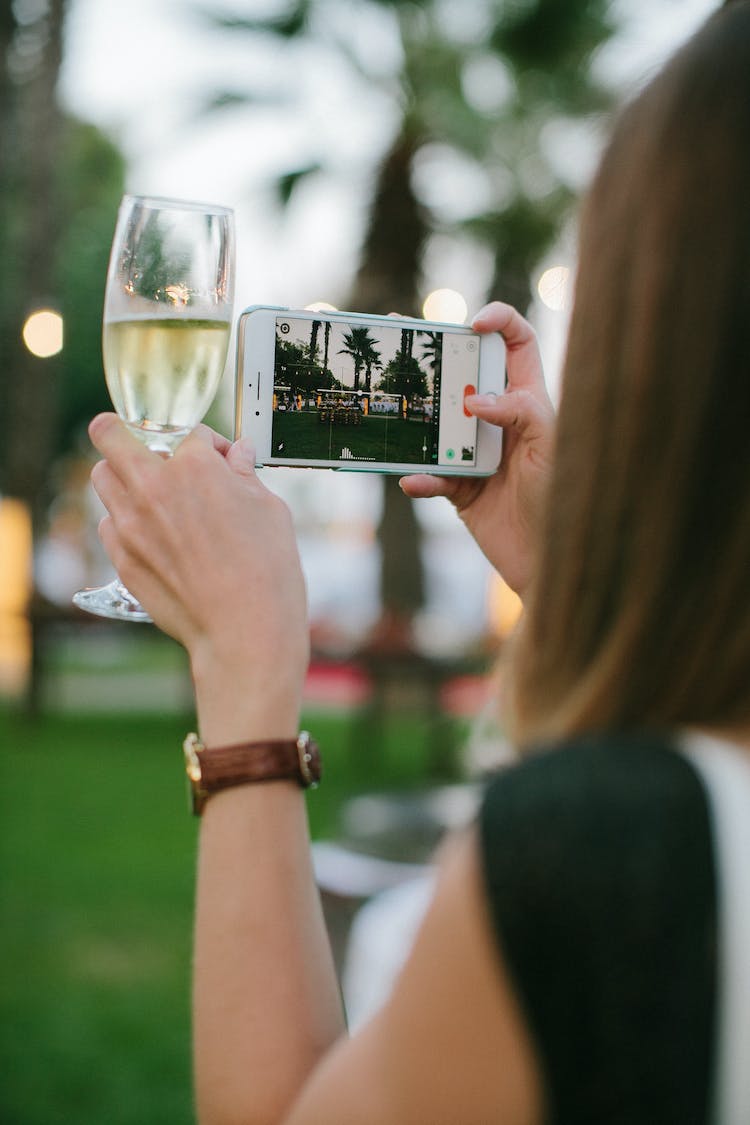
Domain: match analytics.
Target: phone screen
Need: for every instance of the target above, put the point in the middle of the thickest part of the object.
(352, 391)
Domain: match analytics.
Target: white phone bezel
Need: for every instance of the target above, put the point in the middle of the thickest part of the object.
(256, 342)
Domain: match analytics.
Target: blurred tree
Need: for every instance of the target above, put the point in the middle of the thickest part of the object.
(476, 87)
(30, 144)
(59, 185)
(91, 182)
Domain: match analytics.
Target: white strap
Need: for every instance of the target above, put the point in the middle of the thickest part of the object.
(725, 770)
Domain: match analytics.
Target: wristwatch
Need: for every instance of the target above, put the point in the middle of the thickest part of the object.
(208, 771)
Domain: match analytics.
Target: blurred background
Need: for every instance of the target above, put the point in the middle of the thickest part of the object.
(380, 155)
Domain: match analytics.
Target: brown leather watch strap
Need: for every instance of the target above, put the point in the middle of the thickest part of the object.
(210, 770)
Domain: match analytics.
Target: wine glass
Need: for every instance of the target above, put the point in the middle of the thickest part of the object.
(167, 321)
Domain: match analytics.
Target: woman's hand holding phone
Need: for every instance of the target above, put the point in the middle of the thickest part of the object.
(502, 512)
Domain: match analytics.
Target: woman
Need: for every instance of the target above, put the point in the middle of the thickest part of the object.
(566, 969)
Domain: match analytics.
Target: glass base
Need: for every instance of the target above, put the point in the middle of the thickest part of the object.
(113, 600)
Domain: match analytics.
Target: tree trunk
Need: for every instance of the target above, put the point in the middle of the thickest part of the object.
(388, 281)
(391, 261)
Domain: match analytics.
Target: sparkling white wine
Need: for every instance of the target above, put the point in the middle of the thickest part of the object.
(162, 375)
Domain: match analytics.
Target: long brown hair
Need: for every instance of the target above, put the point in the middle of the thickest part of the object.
(640, 612)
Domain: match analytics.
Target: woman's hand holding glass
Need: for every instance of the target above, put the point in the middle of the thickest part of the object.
(212, 554)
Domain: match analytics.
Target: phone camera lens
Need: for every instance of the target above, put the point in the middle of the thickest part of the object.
(284, 328)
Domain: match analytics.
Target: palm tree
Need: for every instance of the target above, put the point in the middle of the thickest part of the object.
(534, 59)
(535, 55)
(360, 345)
(432, 350)
(314, 330)
(353, 350)
(326, 343)
(372, 362)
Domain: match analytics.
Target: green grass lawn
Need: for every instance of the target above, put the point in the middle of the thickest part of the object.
(96, 860)
(376, 438)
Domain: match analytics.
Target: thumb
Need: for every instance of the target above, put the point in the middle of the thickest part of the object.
(420, 486)
(241, 458)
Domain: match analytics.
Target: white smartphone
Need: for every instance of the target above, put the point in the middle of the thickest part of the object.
(369, 393)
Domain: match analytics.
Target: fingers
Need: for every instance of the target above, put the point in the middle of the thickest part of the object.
(241, 458)
(114, 441)
(217, 441)
(521, 410)
(107, 485)
(524, 363)
(239, 455)
(498, 316)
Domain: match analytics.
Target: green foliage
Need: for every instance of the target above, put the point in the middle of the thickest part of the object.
(89, 177)
(56, 177)
(543, 48)
(521, 232)
(287, 24)
(296, 371)
(287, 184)
(91, 182)
(404, 376)
(545, 34)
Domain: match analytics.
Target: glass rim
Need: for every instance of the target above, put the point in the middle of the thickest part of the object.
(163, 202)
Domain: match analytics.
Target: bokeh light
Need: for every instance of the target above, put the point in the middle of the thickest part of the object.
(504, 607)
(43, 333)
(553, 288)
(15, 591)
(446, 305)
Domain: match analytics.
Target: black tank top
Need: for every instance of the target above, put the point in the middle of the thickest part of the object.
(599, 872)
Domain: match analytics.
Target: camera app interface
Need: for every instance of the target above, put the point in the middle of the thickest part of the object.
(348, 392)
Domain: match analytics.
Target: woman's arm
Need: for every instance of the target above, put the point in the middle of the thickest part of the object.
(211, 554)
(266, 1004)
